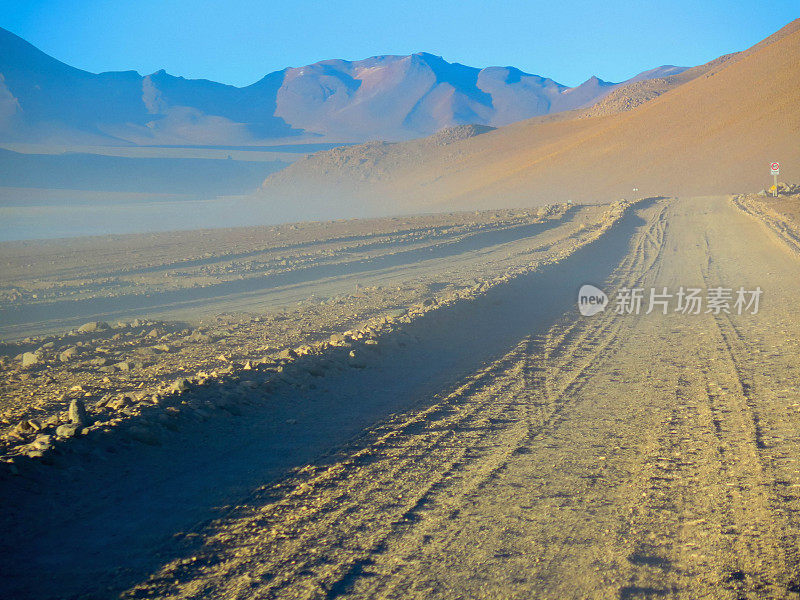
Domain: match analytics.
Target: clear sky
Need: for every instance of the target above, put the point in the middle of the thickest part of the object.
(239, 41)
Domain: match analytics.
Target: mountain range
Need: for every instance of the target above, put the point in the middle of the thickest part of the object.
(384, 97)
(713, 129)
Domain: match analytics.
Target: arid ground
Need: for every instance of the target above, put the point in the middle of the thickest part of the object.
(406, 408)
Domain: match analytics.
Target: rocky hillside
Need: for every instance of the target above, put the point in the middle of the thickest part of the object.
(713, 134)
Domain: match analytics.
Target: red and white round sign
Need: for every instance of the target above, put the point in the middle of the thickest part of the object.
(775, 167)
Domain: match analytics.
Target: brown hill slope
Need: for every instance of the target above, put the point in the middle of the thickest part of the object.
(714, 134)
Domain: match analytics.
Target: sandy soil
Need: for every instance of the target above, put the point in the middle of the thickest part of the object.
(493, 444)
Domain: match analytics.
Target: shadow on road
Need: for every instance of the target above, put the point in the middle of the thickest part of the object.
(126, 503)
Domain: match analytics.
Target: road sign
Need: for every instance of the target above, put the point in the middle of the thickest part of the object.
(775, 170)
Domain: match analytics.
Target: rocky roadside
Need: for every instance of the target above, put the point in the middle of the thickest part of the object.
(138, 381)
(780, 214)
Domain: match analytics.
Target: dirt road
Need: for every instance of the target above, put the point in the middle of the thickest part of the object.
(612, 456)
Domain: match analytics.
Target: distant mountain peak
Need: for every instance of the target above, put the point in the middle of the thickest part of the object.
(391, 97)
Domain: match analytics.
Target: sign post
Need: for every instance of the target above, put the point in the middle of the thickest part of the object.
(775, 169)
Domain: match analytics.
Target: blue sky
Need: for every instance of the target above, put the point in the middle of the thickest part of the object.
(238, 41)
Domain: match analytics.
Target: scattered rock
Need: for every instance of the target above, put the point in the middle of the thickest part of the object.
(338, 338)
(288, 353)
(93, 326)
(120, 403)
(29, 359)
(67, 430)
(23, 427)
(42, 442)
(51, 421)
(77, 412)
(180, 385)
(123, 366)
(68, 354)
(198, 336)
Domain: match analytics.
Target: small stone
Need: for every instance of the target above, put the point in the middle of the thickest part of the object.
(288, 353)
(162, 348)
(248, 366)
(23, 427)
(93, 326)
(68, 354)
(123, 366)
(42, 442)
(29, 359)
(180, 385)
(120, 403)
(51, 421)
(77, 412)
(68, 430)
